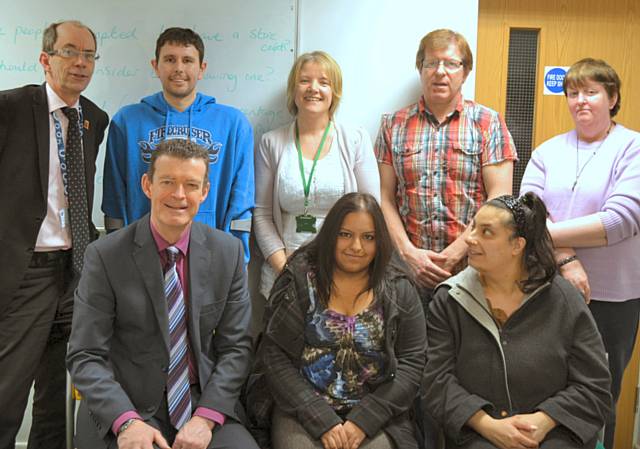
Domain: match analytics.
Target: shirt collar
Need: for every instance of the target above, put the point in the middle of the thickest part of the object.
(55, 102)
(182, 244)
(422, 107)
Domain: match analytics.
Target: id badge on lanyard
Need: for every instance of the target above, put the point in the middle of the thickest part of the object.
(307, 222)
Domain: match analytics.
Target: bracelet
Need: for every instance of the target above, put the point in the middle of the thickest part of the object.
(126, 425)
(567, 260)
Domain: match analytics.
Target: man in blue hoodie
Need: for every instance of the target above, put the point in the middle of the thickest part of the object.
(181, 112)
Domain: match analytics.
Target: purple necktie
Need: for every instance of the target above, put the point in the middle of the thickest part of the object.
(178, 389)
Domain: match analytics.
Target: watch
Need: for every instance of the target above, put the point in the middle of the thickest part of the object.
(126, 425)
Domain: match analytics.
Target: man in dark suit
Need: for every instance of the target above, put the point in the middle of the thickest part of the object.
(160, 347)
(46, 185)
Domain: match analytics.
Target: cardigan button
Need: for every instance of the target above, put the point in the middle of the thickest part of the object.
(504, 413)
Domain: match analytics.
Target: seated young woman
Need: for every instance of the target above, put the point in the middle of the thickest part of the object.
(345, 343)
(515, 359)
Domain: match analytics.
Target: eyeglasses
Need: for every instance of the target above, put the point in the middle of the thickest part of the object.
(70, 53)
(450, 65)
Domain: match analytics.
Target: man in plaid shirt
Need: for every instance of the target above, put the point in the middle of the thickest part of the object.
(439, 160)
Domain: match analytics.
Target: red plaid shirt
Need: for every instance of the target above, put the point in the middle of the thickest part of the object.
(439, 166)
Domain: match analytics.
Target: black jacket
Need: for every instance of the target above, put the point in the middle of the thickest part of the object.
(387, 407)
(548, 356)
(24, 174)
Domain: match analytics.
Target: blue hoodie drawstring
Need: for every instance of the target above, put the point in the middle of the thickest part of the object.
(166, 122)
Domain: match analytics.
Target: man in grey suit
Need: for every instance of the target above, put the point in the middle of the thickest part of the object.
(159, 347)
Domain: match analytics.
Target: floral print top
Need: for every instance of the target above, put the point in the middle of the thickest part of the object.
(342, 354)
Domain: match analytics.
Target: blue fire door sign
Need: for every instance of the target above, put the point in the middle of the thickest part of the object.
(553, 78)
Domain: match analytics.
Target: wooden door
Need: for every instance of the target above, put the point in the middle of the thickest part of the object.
(568, 30)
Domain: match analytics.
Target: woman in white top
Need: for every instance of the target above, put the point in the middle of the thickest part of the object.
(303, 168)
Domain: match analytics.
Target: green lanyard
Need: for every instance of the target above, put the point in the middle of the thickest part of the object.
(306, 184)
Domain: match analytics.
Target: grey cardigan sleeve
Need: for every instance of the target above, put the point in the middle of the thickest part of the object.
(448, 402)
(264, 223)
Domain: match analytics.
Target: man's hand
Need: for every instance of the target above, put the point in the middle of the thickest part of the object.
(140, 435)
(195, 434)
(335, 438)
(575, 274)
(426, 266)
(541, 422)
(355, 435)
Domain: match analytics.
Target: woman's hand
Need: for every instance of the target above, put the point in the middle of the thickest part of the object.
(507, 433)
(542, 422)
(355, 435)
(576, 275)
(335, 438)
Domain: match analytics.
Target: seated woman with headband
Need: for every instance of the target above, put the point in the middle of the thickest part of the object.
(514, 357)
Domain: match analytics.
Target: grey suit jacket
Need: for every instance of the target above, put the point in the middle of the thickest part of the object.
(119, 346)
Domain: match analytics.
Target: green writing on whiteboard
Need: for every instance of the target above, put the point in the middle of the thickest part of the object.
(19, 67)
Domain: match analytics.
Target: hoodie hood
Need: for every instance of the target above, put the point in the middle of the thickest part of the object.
(160, 105)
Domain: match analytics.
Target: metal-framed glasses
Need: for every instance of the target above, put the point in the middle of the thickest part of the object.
(450, 65)
(71, 53)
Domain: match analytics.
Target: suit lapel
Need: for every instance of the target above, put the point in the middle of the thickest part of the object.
(145, 255)
(41, 121)
(199, 274)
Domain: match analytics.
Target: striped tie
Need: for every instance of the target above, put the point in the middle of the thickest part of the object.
(178, 392)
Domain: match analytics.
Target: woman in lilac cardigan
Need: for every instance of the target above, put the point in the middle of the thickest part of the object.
(589, 179)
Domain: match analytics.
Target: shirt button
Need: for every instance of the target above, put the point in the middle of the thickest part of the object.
(150, 409)
(504, 342)
(504, 413)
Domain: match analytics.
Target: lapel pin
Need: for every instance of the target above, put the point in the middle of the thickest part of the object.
(85, 125)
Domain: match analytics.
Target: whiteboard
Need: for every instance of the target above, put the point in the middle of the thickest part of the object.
(249, 49)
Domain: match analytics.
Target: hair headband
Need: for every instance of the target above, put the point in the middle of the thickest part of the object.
(514, 205)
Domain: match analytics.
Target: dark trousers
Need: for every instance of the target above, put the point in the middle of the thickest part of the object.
(232, 435)
(34, 329)
(618, 325)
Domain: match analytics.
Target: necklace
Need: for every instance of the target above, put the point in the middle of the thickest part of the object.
(579, 172)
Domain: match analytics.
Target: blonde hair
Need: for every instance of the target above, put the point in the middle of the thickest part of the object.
(331, 69)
